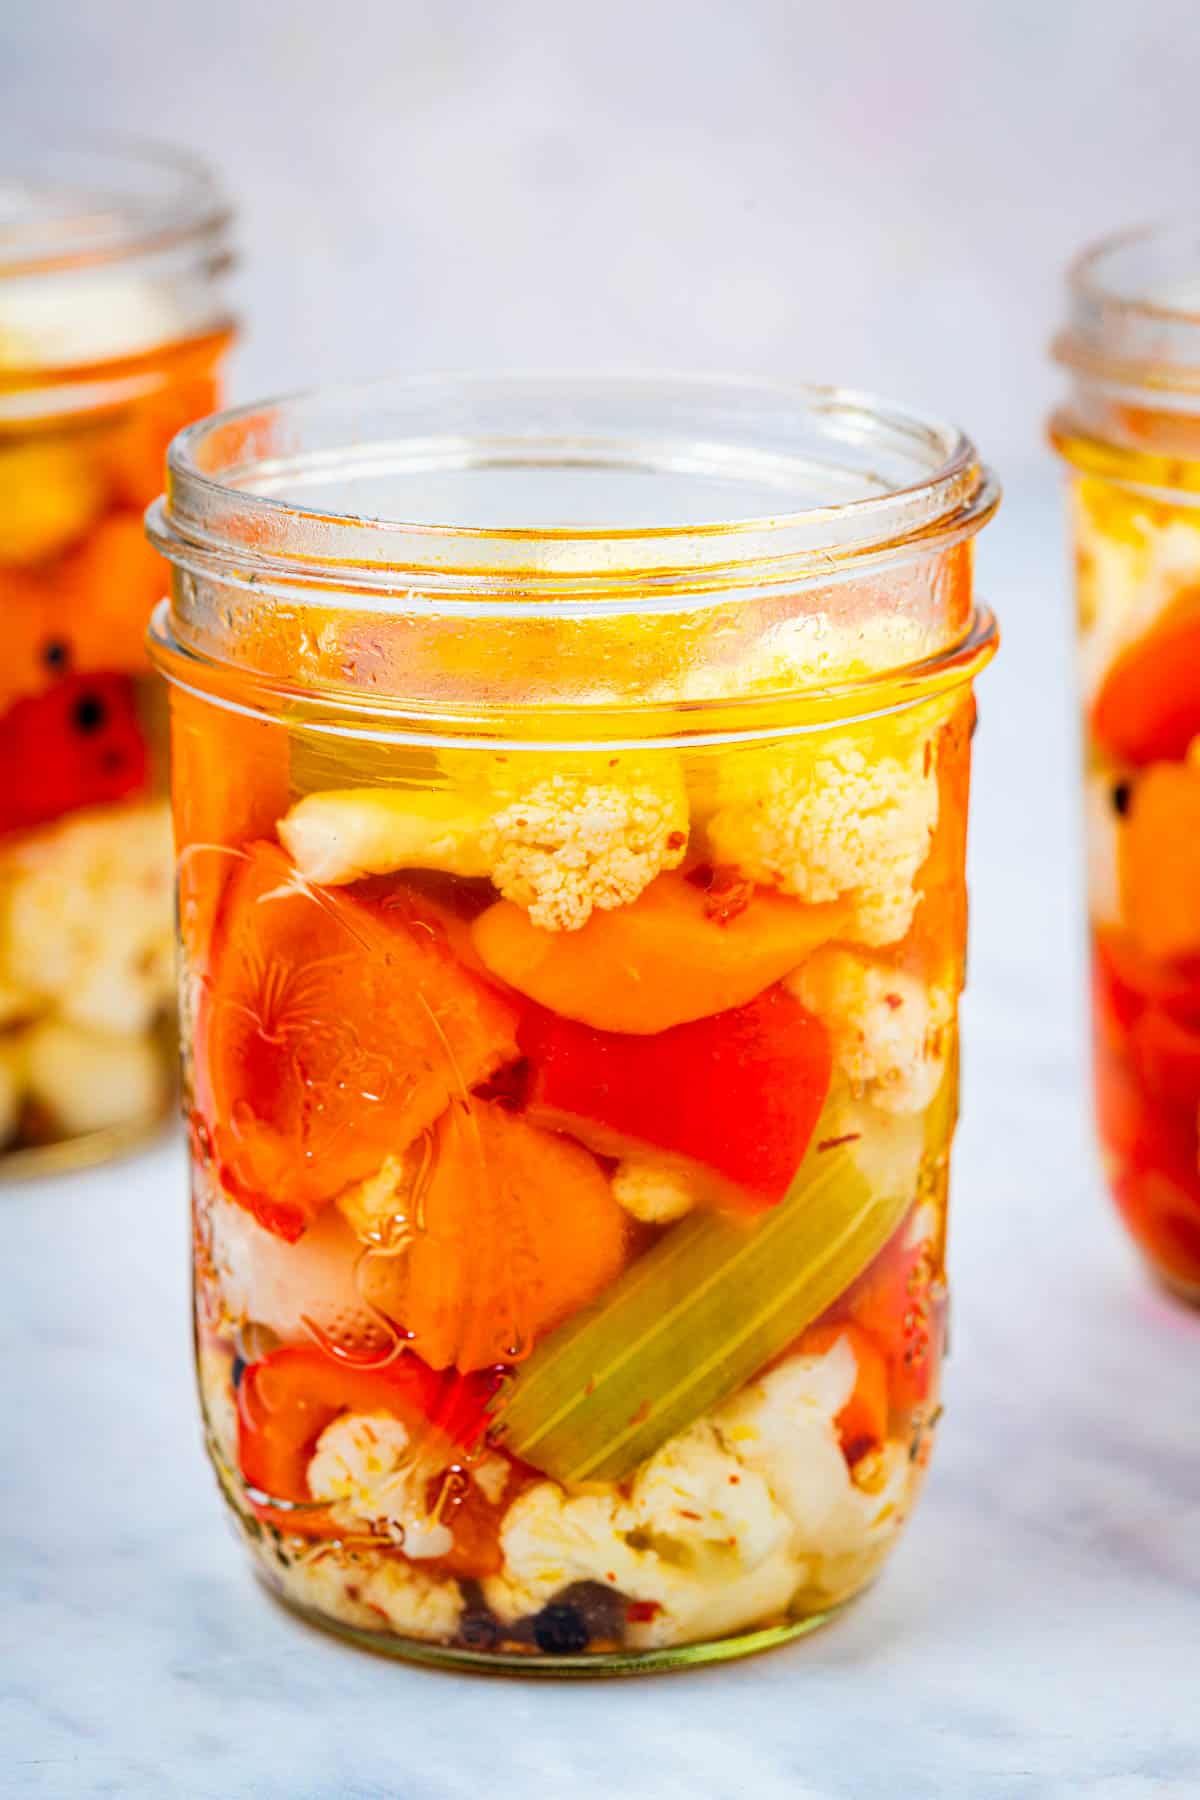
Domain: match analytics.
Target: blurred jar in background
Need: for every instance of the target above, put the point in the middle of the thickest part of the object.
(1130, 431)
(113, 324)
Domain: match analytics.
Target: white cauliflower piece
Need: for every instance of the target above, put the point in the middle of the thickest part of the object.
(46, 323)
(592, 834)
(89, 916)
(1133, 558)
(835, 817)
(93, 1080)
(375, 1475)
(783, 1426)
(699, 1541)
(265, 1281)
(799, 651)
(372, 1589)
(692, 1499)
(653, 1192)
(887, 1027)
(550, 1539)
(569, 845)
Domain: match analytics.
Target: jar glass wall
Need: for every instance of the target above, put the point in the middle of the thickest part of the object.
(1130, 433)
(112, 328)
(573, 915)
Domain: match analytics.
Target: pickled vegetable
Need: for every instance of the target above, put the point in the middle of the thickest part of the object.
(693, 1319)
(736, 1095)
(689, 947)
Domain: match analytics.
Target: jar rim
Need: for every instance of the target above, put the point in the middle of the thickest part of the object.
(238, 486)
(85, 200)
(1134, 308)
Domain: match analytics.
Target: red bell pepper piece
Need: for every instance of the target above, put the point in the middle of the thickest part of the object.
(900, 1300)
(289, 1398)
(1148, 706)
(79, 743)
(738, 1093)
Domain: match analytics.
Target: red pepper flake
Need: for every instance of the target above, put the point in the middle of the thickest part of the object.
(850, 1137)
(677, 840)
(894, 1000)
(611, 1576)
(735, 1480)
(641, 1612)
(590, 1387)
(928, 754)
(641, 1415)
(684, 1513)
(729, 892)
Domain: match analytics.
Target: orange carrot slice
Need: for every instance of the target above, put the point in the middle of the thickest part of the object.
(690, 947)
(1160, 861)
(510, 1231)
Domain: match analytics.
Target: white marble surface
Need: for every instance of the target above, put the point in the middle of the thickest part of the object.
(1036, 1634)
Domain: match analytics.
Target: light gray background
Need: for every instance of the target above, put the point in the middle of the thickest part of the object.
(876, 193)
(859, 190)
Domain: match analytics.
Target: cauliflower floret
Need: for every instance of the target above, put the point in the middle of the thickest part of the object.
(592, 834)
(800, 651)
(827, 818)
(654, 1193)
(92, 1080)
(784, 1426)
(372, 1589)
(550, 1539)
(89, 916)
(693, 1498)
(700, 1542)
(376, 1475)
(262, 1279)
(888, 1029)
(570, 845)
(46, 323)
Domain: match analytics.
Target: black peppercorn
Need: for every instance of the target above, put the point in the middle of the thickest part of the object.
(560, 1629)
(56, 653)
(477, 1629)
(89, 713)
(1122, 795)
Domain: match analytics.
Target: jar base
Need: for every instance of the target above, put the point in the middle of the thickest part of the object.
(63, 1155)
(592, 1666)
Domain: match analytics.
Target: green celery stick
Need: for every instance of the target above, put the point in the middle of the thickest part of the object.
(694, 1318)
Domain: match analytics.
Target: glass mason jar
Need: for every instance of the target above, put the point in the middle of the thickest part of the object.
(572, 910)
(112, 326)
(1129, 430)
